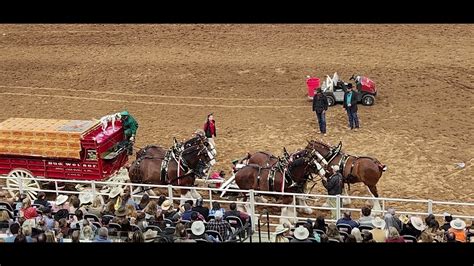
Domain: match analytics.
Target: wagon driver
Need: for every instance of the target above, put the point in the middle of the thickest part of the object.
(130, 127)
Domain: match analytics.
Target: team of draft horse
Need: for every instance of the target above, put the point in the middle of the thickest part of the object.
(181, 164)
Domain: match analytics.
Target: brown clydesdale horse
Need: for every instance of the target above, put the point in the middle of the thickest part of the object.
(261, 158)
(152, 151)
(284, 176)
(179, 167)
(354, 169)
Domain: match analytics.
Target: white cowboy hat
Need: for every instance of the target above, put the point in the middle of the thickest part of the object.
(417, 223)
(280, 229)
(115, 192)
(166, 205)
(150, 235)
(218, 214)
(378, 222)
(458, 224)
(198, 228)
(61, 199)
(85, 198)
(301, 233)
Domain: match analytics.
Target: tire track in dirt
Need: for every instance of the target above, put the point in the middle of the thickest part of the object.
(150, 103)
(153, 95)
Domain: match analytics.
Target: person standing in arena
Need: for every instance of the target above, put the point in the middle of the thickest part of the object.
(350, 104)
(320, 106)
(210, 128)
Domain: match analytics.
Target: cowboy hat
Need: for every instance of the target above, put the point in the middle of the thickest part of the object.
(150, 235)
(61, 199)
(198, 228)
(115, 192)
(166, 205)
(378, 222)
(417, 223)
(458, 224)
(63, 213)
(280, 229)
(218, 214)
(29, 222)
(301, 233)
(8, 212)
(404, 219)
(86, 198)
(121, 212)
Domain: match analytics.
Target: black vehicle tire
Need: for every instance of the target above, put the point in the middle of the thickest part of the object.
(368, 100)
(331, 100)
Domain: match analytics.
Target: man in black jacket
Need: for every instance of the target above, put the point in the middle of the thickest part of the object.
(200, 209)
(333, 184)
(350, 104)
(320, 105)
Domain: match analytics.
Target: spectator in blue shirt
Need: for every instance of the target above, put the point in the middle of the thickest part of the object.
(347, 220)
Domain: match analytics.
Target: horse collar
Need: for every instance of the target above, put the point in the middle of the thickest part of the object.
(342, 162)
(164, 166)
(271, 178)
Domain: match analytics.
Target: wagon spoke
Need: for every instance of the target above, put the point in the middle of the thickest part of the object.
(12, 181)
(33, 184)
(13, 185)
(32, 194)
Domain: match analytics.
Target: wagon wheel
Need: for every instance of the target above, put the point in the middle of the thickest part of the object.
(27, 183)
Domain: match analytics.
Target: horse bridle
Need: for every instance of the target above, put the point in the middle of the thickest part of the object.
(327, 158)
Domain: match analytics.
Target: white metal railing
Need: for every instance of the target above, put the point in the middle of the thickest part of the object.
(427, 205)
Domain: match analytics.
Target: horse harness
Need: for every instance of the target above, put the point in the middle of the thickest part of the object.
(286, 179)
(267, 162)
(342, 163)
(171, 154)
(138, 161)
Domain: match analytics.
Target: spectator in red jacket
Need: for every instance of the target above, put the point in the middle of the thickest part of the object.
(210, 128)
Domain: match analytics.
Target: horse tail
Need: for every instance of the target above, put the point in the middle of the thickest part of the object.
(382, 166)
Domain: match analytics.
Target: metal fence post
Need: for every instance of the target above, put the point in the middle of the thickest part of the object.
(210, 198)
(56, 187)
(170, 193)
(252, 208)
(294, 208)
(20, 184)
(93, 190)
(430, 206)
(383, 207)
(338, 207)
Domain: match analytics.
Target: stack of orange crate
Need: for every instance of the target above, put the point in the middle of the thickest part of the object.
(43, 137)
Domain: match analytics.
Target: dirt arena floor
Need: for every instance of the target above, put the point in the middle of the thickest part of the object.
(253, 78)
